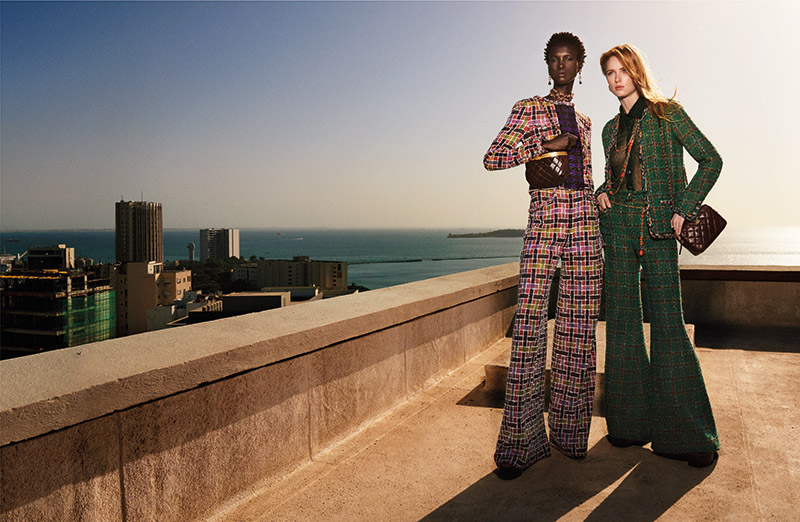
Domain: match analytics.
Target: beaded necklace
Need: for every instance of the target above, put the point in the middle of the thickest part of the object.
(613, 190)
(556, 95)
(641, 222)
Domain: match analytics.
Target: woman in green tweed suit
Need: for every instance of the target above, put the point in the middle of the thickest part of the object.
(645, 199)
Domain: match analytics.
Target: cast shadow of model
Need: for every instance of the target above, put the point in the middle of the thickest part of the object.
(652, 488)
(644, 486)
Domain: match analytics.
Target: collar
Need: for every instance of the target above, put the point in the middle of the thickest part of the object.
(636, 111)
(556, 96)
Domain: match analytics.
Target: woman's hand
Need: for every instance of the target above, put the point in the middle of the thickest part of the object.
(677, 224)
(561, 142)
(603, 202)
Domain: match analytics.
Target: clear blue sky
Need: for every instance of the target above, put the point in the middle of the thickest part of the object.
(358, 114)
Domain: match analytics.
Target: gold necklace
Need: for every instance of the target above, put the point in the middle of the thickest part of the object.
(560, 96)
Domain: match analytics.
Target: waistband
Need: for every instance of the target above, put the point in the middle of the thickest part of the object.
(583, 191)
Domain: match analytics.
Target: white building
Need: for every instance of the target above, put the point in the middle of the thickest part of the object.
(219, 243)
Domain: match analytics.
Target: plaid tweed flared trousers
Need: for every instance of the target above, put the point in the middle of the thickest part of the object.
(562, 224)
(661, 398)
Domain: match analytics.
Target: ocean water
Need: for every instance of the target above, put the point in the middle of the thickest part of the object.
(381, 258)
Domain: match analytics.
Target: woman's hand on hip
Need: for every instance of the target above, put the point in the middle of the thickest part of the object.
(603, 202)
(677, 224)
(561, 142)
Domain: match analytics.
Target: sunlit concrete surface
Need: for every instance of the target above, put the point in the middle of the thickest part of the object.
(431, 458)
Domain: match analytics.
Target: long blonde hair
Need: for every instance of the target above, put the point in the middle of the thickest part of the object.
(635, 65)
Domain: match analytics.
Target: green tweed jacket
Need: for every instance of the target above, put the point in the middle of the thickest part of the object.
(661, 144)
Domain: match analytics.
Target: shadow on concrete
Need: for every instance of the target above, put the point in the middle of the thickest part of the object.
(559, 487)
(480, 397)
(786, 340)
(483, 396)
(652, 488)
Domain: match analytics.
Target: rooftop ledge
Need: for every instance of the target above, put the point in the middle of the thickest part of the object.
(52, 390)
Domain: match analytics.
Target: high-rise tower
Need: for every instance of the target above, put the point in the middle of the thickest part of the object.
(219, 243)
(139, 232)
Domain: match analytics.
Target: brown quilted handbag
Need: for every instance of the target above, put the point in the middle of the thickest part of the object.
(547, 170)
(698, 235)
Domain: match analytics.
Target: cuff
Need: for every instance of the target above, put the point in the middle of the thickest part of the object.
(531, 150)
(691, 213)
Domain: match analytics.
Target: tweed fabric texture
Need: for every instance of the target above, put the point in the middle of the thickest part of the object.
(562, 225)
(531, 122)
(661, 144)
(661, 398)
(567, 122)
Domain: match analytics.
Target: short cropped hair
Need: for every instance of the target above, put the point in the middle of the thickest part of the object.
(567, 39)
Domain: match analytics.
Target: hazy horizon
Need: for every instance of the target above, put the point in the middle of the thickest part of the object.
(357, 115)
(735, 228)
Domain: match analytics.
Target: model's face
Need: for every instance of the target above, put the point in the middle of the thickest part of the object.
(619, 83)
(562, 64)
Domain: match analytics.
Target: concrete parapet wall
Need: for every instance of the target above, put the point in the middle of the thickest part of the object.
(172, 425)
(754, 296)
(761, 297)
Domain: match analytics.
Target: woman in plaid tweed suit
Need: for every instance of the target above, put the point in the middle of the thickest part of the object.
(644, 202)
(562, 225)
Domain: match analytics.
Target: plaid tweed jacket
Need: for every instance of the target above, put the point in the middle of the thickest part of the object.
(661, 144)
(531, 122)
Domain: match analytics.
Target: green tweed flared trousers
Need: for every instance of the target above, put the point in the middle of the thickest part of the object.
(661, 397)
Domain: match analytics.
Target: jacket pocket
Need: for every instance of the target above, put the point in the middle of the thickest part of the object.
(661, 215)
(541, 199)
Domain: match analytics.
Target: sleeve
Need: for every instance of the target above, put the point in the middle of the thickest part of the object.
(517, 142)
(607, 131)
(709, 164)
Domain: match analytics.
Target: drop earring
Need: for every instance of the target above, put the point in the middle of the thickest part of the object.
(580, 81)
(549, 80)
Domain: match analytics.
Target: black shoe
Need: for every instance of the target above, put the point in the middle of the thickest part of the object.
(625, 443)
(701, 460)
(508, 473)
(695, 460)
(674, 456)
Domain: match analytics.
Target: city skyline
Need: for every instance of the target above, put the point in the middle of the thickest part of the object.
(356, 115)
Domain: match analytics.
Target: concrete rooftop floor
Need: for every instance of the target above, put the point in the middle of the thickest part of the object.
(431, 458)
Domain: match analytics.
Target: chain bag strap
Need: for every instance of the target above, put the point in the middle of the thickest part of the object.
(698, 235)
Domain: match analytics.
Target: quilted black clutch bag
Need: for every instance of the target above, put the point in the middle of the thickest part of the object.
(698, 235)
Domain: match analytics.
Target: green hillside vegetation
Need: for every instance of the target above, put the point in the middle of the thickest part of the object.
(506, 232)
